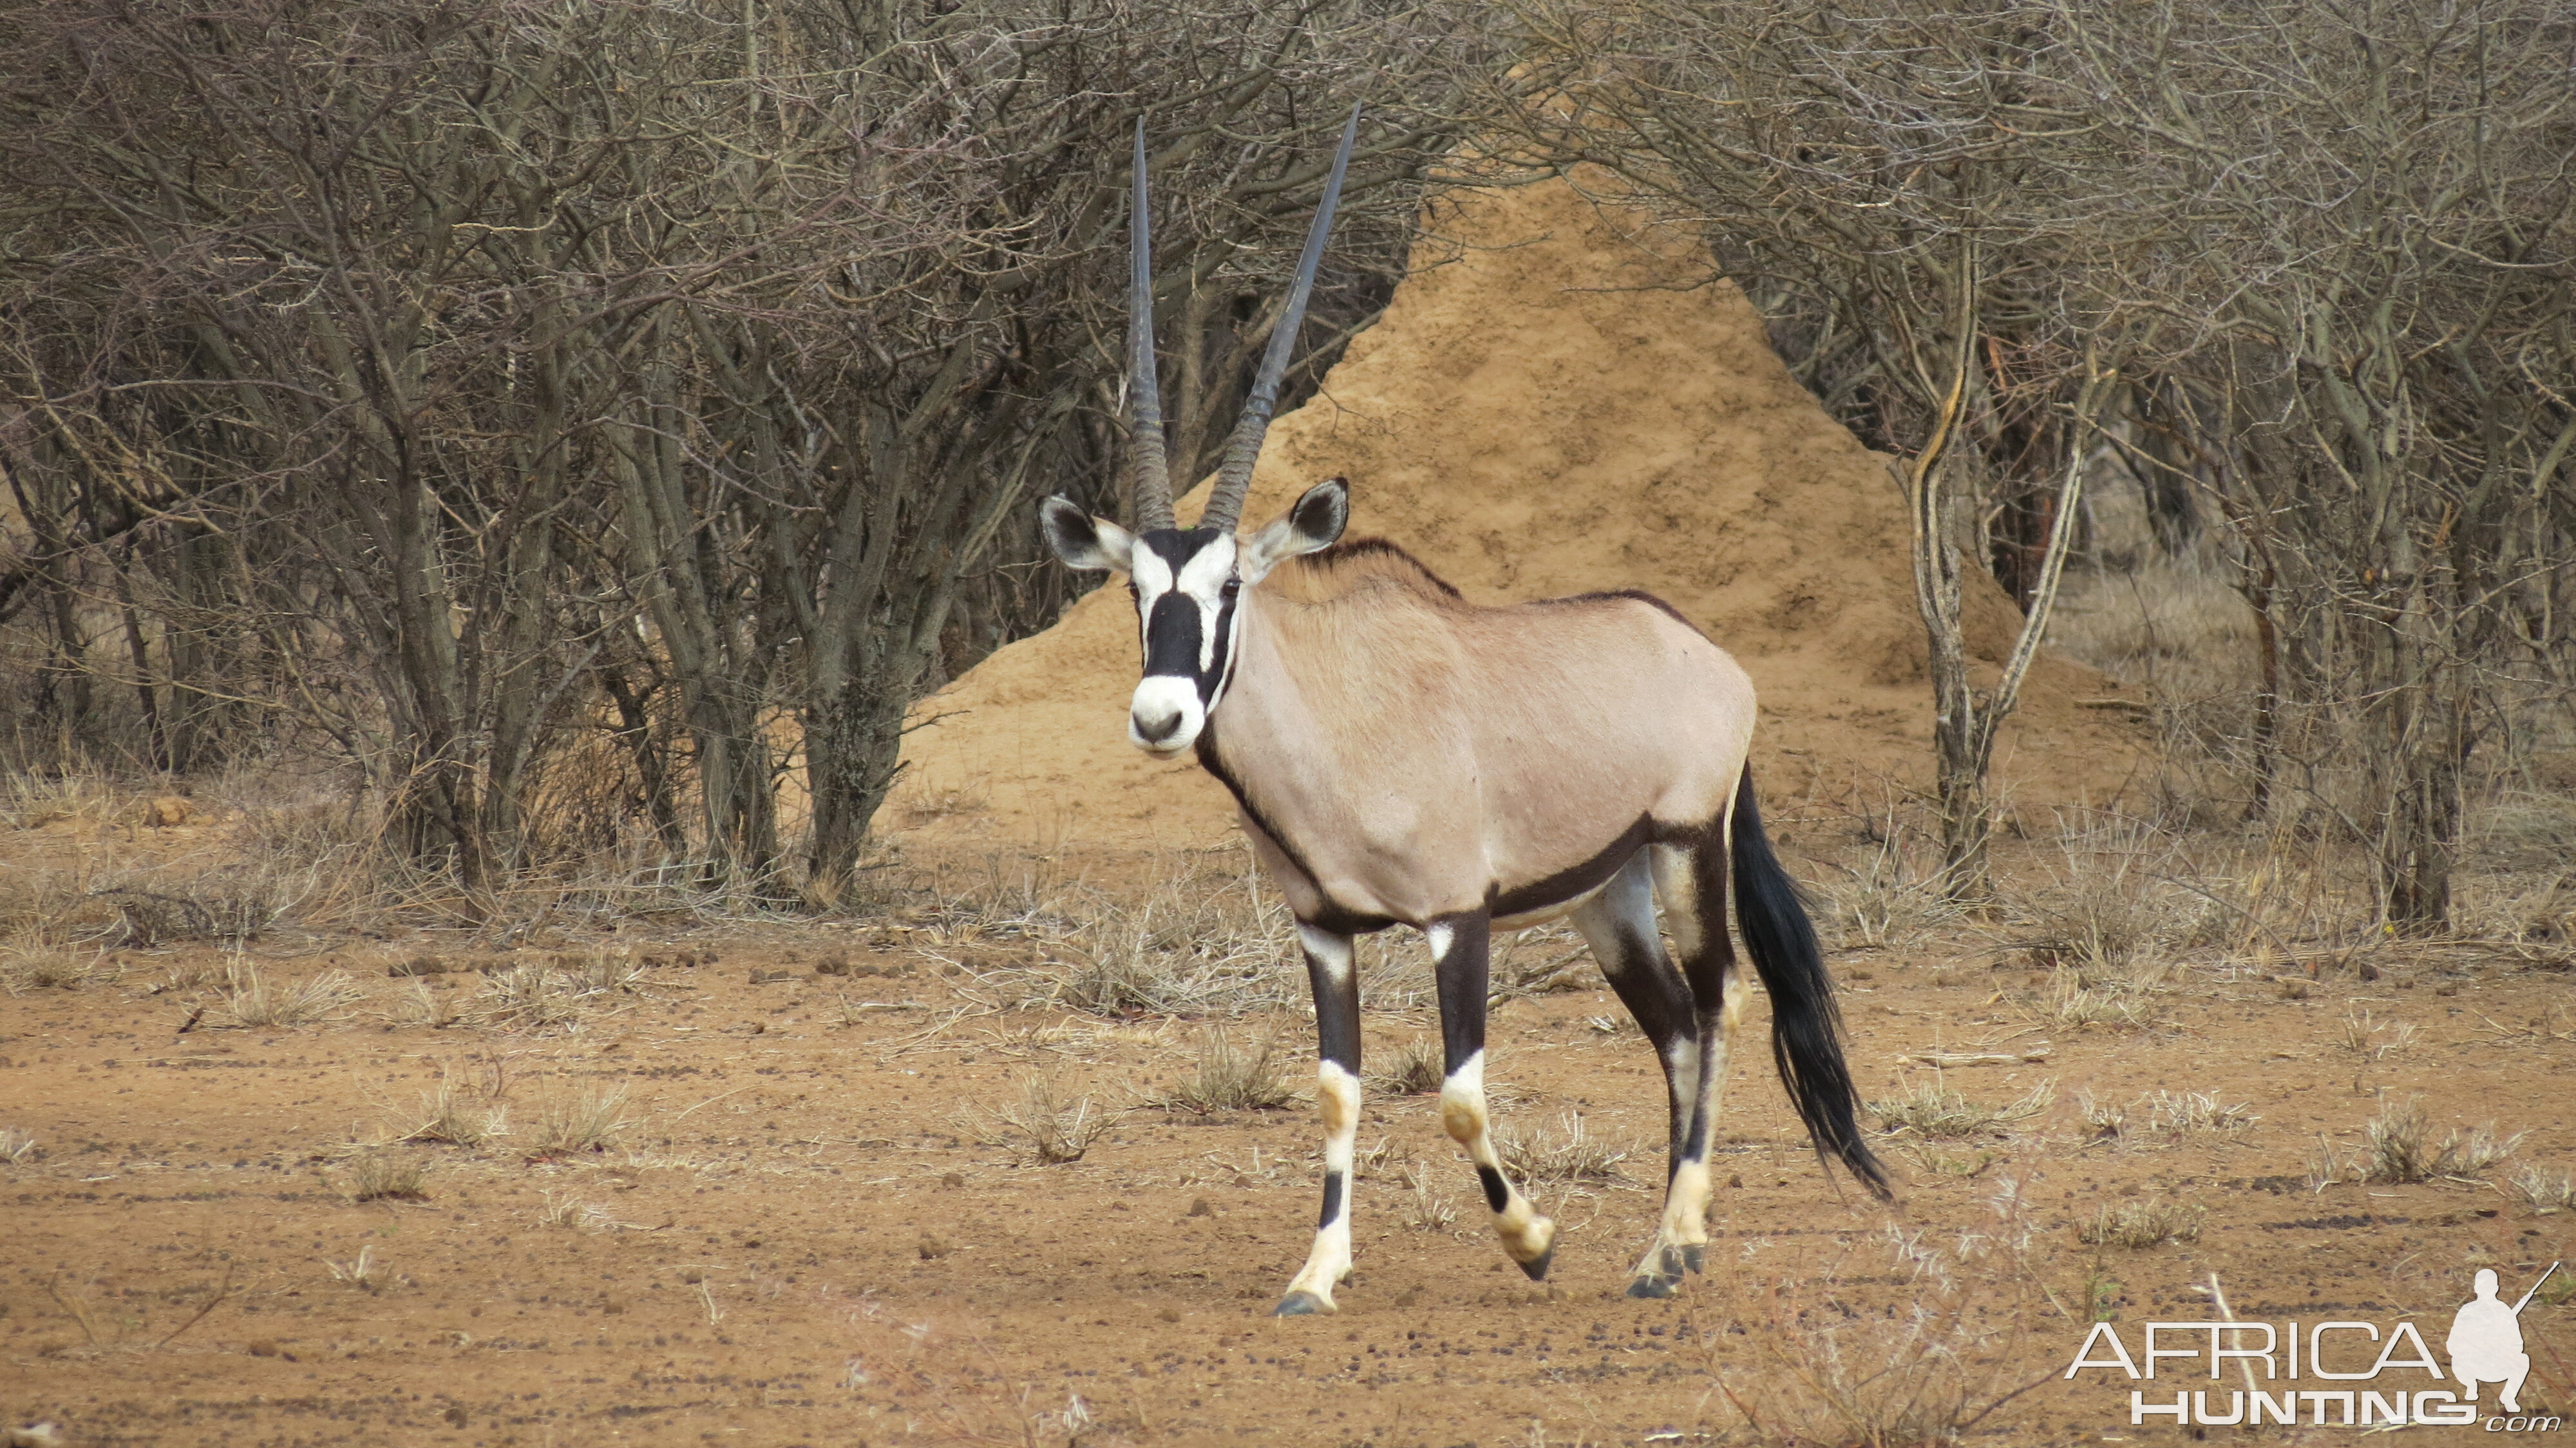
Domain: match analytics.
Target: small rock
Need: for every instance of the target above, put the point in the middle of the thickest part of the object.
(418, 965)
(953, 1179)
(833, 964)
(932, 1248)
(263, 1348)
(456, 1417)
(1199, 1208)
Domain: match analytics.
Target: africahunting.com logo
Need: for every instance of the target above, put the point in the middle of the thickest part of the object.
(2484, 1347)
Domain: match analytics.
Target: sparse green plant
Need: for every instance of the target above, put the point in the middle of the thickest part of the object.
(1045, 1125)
(251, 998)
(1228, 1077)
(387, 1176)
(571, 1119)
(2145, 1222)
(1935, 1110)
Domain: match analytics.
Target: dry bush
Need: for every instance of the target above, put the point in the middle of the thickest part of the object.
(556, 993)
(2547, 1190)
(1045, 1126)
(570, 1119)
(466, 1113)
(1228, 1077)
(2192, 1112)
(387, 1176)
(253, 999)
(1887, 893)
(1427, 1208)
(1563, 1154)
(1417, 1070)
(2400, 1148)
(2147, 1222)
(1935, 1110)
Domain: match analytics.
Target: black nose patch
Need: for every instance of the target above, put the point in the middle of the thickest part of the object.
(1172, 636)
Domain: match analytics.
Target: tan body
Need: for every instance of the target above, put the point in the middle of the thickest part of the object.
(1458, 757)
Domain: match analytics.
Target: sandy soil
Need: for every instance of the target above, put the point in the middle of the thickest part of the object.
(797, 1236)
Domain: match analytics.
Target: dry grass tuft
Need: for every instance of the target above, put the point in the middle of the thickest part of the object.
(419, 1006)
(2401, 1149)
(18, 1147)
(1937, 1111)
(571, 1119)
(253, 999)
(2190, 1113)
(555, 994)
(1564, 1154)
(1417, 1070)
(2547, 1190)
(2149, 1222)
(386, 1176)
(1231, 1078)
(1426, 1207)
(1045, 1126)
(42, 967)
(461, 1113)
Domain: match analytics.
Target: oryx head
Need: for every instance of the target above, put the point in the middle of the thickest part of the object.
(1187, 582)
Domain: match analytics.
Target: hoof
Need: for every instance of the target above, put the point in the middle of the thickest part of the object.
(1536, 1267)
(1654, 1284)
(1694, 1255)
(1300, 1304)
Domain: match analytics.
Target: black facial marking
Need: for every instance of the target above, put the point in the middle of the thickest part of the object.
(1497, 1195)
(1172, 636)
(1332, 1200)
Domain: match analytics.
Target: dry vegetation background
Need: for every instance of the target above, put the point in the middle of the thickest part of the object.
(486, 485)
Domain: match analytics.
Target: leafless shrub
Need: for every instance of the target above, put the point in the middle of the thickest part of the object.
(251, 998)
(1046, 1125)
(1934, 1109)
(569, 1119)
(2146, 1222)
(1228, 1077)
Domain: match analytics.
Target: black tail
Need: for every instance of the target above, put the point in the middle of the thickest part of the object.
(1804, 1023)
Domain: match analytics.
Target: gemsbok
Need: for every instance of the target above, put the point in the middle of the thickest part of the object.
(1401, 755)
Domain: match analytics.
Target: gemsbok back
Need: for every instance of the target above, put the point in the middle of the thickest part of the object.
(1403, 756)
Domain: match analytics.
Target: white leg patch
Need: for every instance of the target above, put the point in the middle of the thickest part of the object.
(1332, 951)
(1337, 1097)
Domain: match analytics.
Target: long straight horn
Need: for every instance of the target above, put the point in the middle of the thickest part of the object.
(1149, 475)
(1243, 449)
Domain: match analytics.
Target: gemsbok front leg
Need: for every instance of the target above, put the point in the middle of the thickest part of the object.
(1459, 949)
(1337, 1096)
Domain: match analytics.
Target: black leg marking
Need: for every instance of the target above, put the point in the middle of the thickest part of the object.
(1332, 1200)
(1497, 1195)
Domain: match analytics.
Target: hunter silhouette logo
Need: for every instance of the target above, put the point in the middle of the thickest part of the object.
(2485, 1345)
(2486, 1341)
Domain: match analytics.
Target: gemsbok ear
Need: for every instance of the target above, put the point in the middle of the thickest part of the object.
(1082, 540)
(1314, 524)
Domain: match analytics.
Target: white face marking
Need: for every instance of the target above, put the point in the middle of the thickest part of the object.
(1167, 713)
(1331, 951)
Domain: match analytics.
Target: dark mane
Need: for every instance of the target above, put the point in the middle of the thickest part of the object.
(1350, 564)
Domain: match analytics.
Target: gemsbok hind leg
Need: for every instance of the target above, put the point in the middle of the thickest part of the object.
(1337, 1097)
(1619, 925)
(1692, 880)
(1459, 946)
